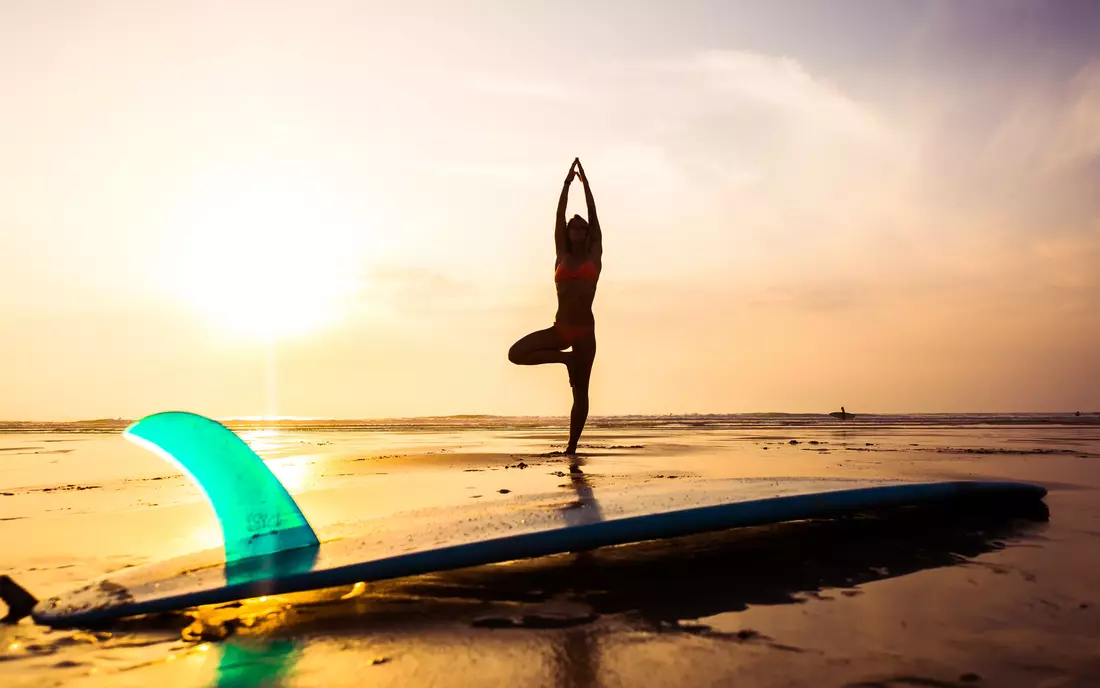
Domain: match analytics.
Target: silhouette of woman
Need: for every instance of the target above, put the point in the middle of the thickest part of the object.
(579, 247)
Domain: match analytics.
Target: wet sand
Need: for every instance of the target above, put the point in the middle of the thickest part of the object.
(916, 600)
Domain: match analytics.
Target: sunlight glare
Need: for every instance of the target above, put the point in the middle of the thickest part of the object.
(267, 256)
(264, 440)
(293, 473)
(207, 536)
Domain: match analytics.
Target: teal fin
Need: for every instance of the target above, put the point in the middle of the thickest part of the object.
(258, 516)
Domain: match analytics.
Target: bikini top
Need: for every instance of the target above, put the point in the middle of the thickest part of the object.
(584, 271)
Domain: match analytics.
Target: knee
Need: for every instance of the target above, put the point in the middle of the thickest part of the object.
(514, 353)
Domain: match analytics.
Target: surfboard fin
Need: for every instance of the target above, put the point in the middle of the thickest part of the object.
(257, 515)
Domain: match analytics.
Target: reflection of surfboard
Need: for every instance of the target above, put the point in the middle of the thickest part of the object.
(441, 539)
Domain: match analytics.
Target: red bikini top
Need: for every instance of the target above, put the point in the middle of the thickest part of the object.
(585, 271)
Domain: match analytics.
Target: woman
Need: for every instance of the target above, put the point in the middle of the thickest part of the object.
(579, 247)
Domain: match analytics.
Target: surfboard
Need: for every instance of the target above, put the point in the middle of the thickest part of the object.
(269, 548)
(842, 415)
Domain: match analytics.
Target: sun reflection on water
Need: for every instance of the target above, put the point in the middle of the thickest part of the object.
(264, 440)
(294, 473)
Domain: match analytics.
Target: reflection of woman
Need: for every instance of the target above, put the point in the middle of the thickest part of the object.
(579, 246)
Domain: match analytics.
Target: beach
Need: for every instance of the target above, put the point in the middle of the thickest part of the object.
(904, 602)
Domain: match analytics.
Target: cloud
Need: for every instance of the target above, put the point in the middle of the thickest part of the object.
(750, 105)
(434, 295)
(784, 87)
(746, 158)
(411, 287)
(762, 179)
(1053, 133)
(499, 172)
(820, 299)
(763, 131)
(522, 87)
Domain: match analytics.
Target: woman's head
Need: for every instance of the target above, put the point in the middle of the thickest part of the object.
(576, 233)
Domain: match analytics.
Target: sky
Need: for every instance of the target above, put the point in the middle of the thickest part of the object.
(345, 209)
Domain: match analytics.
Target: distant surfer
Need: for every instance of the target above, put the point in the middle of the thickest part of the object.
(578, 246)
(842, 414)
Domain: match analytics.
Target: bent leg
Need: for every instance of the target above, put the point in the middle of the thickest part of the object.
(543, 346)
(584, 354)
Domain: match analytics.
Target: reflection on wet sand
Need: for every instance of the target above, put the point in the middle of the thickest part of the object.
(577, 656)
(254, 664)
(250, 663)
(586, 509)
(576, 601)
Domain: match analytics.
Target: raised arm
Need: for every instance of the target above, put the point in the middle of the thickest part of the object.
(560, 242)
(595, 241)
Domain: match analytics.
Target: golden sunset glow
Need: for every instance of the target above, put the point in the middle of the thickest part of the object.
(266, 257)
(522, 313)
(313, 215)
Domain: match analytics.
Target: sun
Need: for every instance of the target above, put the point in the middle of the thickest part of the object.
(266, 257)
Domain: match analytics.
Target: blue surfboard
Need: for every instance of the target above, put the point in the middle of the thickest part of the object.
(269, 547)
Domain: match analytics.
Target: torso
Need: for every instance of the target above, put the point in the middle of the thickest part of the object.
(576, 286)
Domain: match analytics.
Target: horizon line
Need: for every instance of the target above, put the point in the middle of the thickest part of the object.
(472, 416)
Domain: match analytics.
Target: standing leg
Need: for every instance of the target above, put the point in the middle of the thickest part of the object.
(584, 353)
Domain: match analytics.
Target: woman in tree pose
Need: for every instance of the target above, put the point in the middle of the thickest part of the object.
(579, 248)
